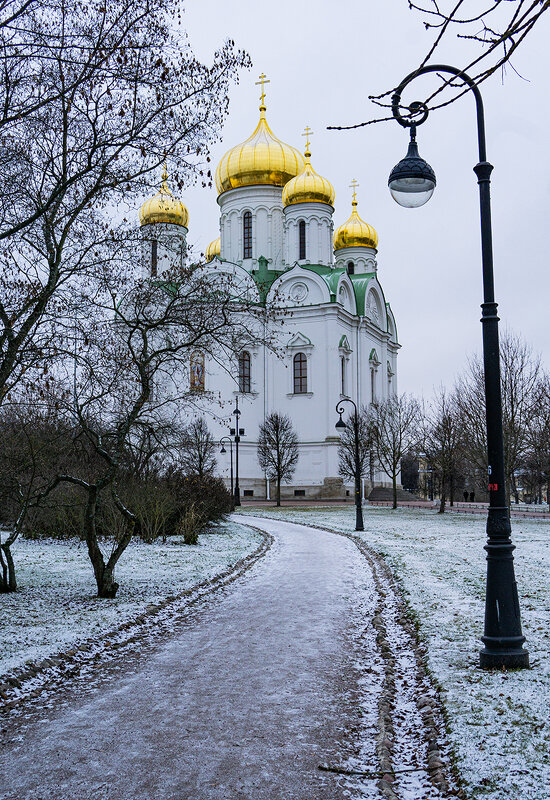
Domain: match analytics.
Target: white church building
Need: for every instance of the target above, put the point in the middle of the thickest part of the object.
(277, 237)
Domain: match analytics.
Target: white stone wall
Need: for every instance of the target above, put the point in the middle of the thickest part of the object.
(265, 205)
(171, 246)
(319, 230)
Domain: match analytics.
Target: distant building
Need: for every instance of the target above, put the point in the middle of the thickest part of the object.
(277, 237)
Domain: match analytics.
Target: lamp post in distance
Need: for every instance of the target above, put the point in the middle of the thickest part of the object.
(357, 470)
(237, 433)
(412, 182)
(223, 450)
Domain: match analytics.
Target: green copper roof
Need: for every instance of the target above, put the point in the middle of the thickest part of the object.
(360, 284)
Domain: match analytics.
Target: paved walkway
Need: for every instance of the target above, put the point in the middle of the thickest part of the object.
(243, 702)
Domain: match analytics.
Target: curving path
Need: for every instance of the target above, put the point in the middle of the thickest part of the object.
(244, 701)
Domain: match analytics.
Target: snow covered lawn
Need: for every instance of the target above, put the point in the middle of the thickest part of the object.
(498, 723)
(55, 606)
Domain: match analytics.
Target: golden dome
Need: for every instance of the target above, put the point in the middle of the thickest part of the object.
(355, 232)
(213, 249)
(164, 207)
(261, 160)
(308, 186)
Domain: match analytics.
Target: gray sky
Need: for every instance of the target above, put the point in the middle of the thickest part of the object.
(323, 60)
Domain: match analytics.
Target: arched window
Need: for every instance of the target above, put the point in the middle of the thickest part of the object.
(300, 373)
(247, 234)
(196, 383)
(351, 268)
(244, 372)
(154, 257)
(302, 239)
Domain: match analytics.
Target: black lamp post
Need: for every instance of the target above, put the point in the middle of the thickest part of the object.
(411, 183)
(355, 422)
(237, 413)
(223, 450)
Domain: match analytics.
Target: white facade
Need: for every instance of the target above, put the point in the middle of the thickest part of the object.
(337, 337)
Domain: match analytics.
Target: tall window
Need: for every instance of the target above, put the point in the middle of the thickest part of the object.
(154, 257)
(342, 375)
(244, 372)
(373, 386)
(351, 268)
(300, 373)
(302, 239)
(247, 234)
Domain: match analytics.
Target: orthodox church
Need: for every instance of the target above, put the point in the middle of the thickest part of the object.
(277, 239)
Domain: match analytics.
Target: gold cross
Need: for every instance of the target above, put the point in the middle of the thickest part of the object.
(261, 83)
(353, 185)
(307, 132)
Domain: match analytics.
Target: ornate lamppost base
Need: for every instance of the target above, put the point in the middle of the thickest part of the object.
(504, 659)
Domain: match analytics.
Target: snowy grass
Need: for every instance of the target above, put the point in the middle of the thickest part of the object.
(56, 606)
(498, 723)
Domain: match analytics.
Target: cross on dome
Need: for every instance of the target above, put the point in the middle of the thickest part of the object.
(307, 133)
(353, 185)
(263, 80)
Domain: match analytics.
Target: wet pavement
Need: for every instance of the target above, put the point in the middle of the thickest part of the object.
(245, 701)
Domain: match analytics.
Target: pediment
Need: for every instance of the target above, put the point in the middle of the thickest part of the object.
(299, 340)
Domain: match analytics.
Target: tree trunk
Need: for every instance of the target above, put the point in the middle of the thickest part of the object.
(106, 586)
(394, 480)
(452, 490)
(442, 499)
(278, 491)
(8, 581)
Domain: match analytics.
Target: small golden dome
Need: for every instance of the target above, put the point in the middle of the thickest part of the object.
(308, 186)
(355, 232)
(164, 207)
(261, 160)
(213, 249)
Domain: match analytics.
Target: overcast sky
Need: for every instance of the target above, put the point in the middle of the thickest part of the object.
(323, 60)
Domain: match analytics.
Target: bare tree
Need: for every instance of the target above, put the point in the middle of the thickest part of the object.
(520, 375)
(536, 468)
(93, 99)
(134, 374)
(278, 449)
(443, 442)
(498, 27)
(196, 449)
(396, 431)
(346, 447)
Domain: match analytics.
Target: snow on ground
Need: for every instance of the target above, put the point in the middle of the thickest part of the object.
(498, 723)
(56, 605)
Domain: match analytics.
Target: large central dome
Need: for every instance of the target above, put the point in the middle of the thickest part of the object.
(262, 160)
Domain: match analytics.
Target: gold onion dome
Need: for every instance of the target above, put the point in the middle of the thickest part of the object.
(261, 160)
(213, 249)
(355, 232)
(308, 186)
(164, 207)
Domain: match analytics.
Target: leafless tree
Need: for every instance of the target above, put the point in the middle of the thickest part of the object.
(94, 97)
(134, 374)
(396, 431)
(520, 375)
(196, 449)
(498, 27)
(443, 442)
(346, 447)
(278, 449)
(536, 468)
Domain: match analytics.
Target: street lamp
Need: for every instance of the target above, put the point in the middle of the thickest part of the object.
(411, 184)
(357, 471)
(237, 431)
(223, 450)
